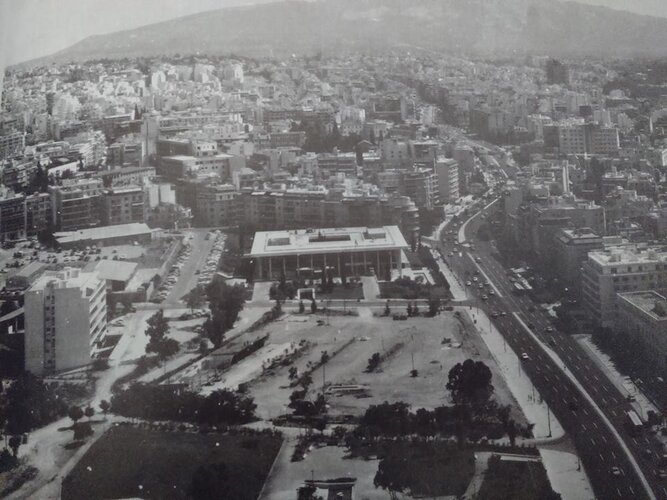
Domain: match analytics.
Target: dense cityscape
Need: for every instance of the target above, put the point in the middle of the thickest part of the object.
(398, 274)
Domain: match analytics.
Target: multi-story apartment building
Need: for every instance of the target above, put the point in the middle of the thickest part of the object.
(123, 205)
(338, 163)
(216, 205)
(604, 141)
(76, 204)
(12, 215)
(125, 175)
(620, 269)
(17, 173)
(571, 251)
(642, 316)
(294, 209)
(572, 139)
(65, 315)
(447, 171)
(11, 144)
(37, 213)
(421, 185)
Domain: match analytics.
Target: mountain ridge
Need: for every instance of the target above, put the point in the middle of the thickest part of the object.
(472, 27)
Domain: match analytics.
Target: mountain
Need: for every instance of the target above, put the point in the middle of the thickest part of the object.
(478, 27)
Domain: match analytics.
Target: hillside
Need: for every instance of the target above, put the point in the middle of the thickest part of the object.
(477, 27)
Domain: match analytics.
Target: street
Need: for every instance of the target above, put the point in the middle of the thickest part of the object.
(597, 443)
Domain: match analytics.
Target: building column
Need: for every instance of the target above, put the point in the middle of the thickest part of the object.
(270, 270)
(352, 263)
(339, 269)
(400, 265)
(284, 268)
(377, 270)
(391, 262)
(261, 268)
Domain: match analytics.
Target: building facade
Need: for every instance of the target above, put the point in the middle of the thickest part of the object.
(65, 315)
(345, 252)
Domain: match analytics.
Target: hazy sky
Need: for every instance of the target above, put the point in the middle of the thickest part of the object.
(34, 28)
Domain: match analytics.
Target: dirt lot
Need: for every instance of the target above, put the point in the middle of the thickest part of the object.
(435, 344)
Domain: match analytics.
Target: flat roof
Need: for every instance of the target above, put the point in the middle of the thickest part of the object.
(102, 233)
(326, 240)
(628, 254)
(66, 278)
(115, 270)
(646, 301)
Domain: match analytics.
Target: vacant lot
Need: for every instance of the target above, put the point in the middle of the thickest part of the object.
(435, 345)
(128, 462)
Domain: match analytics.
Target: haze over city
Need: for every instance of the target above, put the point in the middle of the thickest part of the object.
(333, 249)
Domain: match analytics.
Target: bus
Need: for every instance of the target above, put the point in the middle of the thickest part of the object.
(633, 423)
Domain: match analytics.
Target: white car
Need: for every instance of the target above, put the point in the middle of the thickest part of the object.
(524, 356)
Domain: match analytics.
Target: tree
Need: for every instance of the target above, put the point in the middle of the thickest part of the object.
(75, 413)
(387, 310)
(82, 430)
(470, 383)
(225, 302)
(409, 309)
(105, 407)
(313, 306)
(302, 307)
(28, 404)
(89, 412)
(195, 298)
(292, 373)
(415, 310)
(373, 362)
(14, 444)
(433, 305)
(158, 343)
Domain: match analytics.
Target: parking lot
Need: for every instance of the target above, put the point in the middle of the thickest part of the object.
(196, 264)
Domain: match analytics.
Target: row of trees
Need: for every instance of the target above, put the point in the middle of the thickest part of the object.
(150, 402)
(474, 413)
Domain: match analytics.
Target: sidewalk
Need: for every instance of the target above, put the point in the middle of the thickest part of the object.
(558, 456)
(455, 286)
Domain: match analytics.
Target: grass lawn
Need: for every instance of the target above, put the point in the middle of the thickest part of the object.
(425, 469)
(130, 462)
(506, 480)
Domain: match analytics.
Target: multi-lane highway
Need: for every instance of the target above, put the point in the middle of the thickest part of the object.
(588, 405)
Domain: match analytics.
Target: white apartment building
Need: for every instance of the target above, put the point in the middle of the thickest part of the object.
(621, 269)
(65, 320)
(447, 171)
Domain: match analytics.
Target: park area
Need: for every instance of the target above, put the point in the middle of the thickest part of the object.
(131, 462)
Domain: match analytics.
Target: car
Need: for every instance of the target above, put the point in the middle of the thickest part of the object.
(485, 297)
(648, 452)
(549, 329)
(480, 286)
(661, 473)
(494, 314)
(468, 283)
(503, 314)
(491, 292)
(524, 356)
(475, 278)
(531, 326)
(615, 471)
(477, 259)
